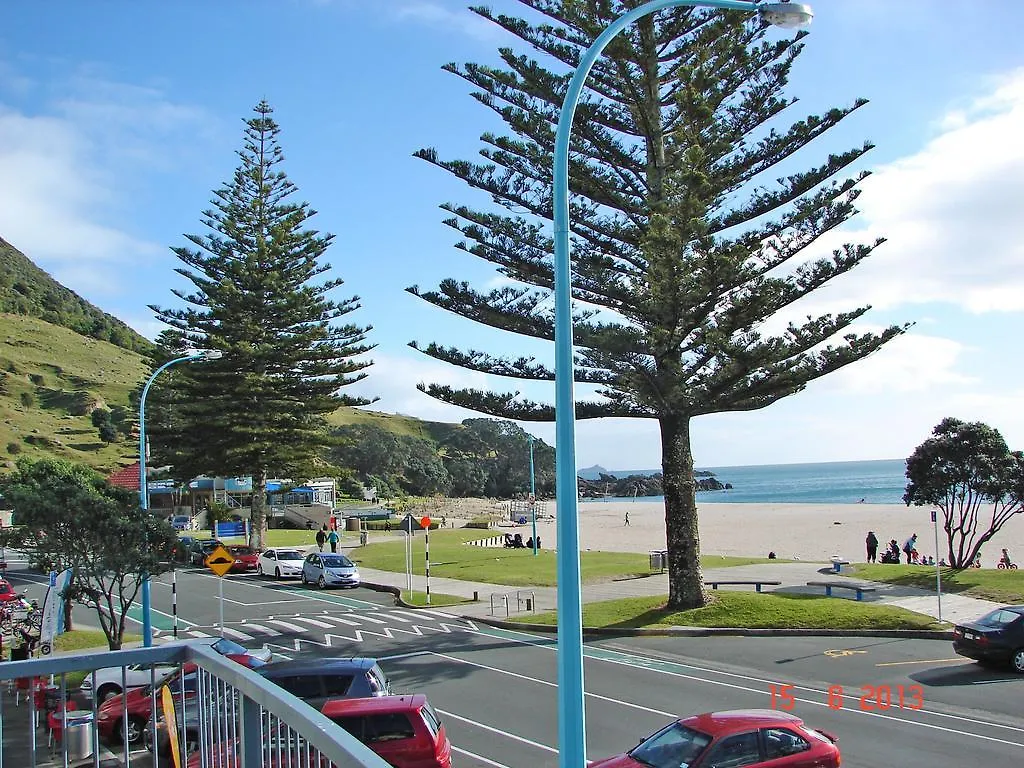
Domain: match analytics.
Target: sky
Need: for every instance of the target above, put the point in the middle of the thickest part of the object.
(118, 119)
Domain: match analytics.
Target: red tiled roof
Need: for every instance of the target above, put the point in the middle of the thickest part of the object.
(126, 477)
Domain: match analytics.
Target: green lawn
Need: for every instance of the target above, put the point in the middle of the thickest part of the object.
(436, 598)
(86, 640)
(986, 583)
(751, 610)
(450, 558)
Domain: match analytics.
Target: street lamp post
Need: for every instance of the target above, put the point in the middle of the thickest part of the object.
(533, 498)
(571, 722)
(209, 354)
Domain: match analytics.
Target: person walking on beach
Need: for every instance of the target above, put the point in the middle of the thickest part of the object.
(909, 546)
(872, 544)
(321, 537)
(627, 518)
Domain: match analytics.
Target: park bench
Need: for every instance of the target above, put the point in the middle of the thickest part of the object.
(757, 583)
(830, 585)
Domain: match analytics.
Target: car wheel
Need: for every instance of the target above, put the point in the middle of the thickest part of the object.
(107, 691)
(302, 578)
(135, 728)
(259, 569)
(1018, 661)
(322, 583)
(277, 573)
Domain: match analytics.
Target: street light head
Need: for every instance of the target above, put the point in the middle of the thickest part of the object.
(209, 354)
(786, 14)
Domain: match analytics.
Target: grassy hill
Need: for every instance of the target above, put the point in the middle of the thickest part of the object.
(51, 379)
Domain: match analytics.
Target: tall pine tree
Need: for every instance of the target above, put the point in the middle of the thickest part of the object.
(259, 410)
(683, 247)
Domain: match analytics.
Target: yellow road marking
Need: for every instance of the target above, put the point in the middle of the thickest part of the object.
(922, 661)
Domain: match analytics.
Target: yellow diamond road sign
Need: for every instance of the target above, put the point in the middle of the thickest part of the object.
(219, 561)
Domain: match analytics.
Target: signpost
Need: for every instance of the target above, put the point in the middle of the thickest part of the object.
(220, 561)
(425, 523)
(938, 570)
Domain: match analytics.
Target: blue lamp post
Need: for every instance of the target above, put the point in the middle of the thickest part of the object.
(533, 498)
(571, 721)
(209, 354)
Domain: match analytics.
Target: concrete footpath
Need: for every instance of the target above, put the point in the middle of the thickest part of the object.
(500, 601)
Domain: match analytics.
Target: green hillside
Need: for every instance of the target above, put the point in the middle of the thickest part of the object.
(27, 290)
(51, 379)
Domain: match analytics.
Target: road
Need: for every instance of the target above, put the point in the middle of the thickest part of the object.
(906, 702)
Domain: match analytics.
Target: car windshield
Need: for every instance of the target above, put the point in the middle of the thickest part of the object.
(289, 554)
(673, 747)
(225, 647)
(242, 551)
(336, 561)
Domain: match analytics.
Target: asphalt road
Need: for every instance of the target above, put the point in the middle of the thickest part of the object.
(906, 702)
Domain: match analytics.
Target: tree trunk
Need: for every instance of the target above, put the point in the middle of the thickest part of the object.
(685, 582)
(258, 517)
(67, 614)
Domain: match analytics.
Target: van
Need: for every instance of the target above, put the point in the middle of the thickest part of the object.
(315, 681)
(404, 730)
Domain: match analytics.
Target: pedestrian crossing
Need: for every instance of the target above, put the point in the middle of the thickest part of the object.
(379, 624)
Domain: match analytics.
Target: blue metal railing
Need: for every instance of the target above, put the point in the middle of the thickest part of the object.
(226, 715)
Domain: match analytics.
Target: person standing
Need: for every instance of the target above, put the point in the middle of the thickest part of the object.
(872, 544)
(332, 539)
(321, 537)
(909, 546)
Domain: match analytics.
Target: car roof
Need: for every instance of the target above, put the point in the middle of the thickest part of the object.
(376, 705)
(717, 723)
(318, 666)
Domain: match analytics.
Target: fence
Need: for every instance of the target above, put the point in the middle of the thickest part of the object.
(224, 715)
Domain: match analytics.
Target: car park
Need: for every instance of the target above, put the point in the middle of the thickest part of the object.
(315, 681)
(329, 570)
(753, 737)
(280, 562)
(108, 680)
(997, 637)
(201, 549)
(246, 559)
(404, 730)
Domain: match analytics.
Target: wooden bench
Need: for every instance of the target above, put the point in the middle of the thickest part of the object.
(830, 585)
(757, 584)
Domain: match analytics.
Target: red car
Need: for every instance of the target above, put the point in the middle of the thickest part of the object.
(246, 559)
(750, 737)
(139, 706)
(7, 593)
(404, 730)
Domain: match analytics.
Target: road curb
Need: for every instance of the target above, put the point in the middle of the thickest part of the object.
(906, 634)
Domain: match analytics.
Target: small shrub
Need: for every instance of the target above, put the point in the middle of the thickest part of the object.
(479, 522)
(13, 448)
(37, 378)
(28, 399)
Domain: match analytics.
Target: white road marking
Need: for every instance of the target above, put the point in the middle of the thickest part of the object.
(499, 731)
(391, 614)
(197, 633)
(315, 622)
(261, 628)
(341, 621)
(415, 614)
(438, 613)
(286, 625)
(475, 756)
(237, 635)
(365, 618)
(403, 655)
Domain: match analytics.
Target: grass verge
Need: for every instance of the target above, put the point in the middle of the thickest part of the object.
(748, 610)
(985, 583)
(436, 599)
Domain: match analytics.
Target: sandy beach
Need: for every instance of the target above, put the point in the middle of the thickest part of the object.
(793, 531)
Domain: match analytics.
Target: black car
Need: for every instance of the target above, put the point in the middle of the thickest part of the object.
(202, 549)
(997, 636)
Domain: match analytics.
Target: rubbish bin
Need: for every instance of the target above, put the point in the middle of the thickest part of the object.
(78, 735)
(352, 523)
(657, 561)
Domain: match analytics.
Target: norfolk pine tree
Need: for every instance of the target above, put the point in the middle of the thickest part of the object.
(682, 248)
(261, 408)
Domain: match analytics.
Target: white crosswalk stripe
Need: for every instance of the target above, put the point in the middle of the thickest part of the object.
(391, 615)
(415, 615)
(348, 622)
(229, 632)
(197, 633)
(286, 625)
(314, 622)
(261, 628)
(363, 617)
(442, 614)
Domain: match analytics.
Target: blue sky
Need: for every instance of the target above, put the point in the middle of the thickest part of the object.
(117, 119)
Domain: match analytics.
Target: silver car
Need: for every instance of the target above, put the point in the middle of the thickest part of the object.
(329, 570)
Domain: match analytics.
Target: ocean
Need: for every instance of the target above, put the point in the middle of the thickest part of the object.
(835, 482)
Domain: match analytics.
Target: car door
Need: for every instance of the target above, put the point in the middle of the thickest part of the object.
(784, 748)
(312, 567)
(736, 751)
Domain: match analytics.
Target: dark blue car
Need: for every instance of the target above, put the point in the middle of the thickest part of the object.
(317, 680)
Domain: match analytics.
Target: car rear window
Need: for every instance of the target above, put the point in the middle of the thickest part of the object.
(303, 686)
(999, 618)
(242, 550)
(431, 719)
(225, 646)
(377, 680)
(337, 685)
(390, 726)
(290, 554)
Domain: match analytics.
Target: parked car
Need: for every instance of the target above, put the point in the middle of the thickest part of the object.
(201, 549)
(181, 522)
(404, 730)
(280, 561)
(111, 722)
(183, 549)
(996, 637)
(329, 570)
(108, 680)
(7, 593)
(246, 559)
(751, 738)
(317, 680)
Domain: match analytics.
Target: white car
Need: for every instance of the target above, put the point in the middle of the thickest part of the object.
(280, 562)
(109, 679)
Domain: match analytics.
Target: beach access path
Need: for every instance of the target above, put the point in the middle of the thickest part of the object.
(794, 578)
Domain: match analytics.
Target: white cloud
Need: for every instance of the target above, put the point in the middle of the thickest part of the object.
(463, 20)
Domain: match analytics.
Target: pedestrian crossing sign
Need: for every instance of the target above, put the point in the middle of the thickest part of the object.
(219, 561)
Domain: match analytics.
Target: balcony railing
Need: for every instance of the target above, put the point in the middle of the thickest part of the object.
(226, 716)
